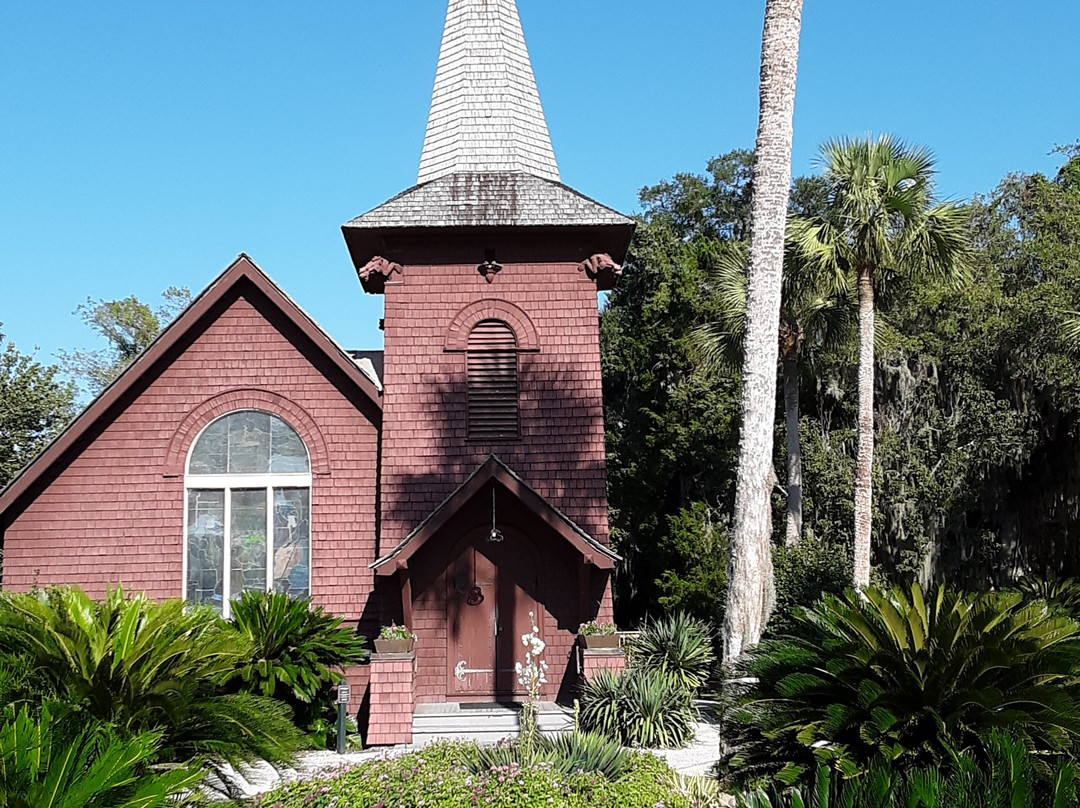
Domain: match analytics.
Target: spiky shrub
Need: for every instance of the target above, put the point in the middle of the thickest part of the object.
(297, 653)
(570, 753)
(1062, 594)
(46, 764)
(640, 707)
(680, 646)
(905, 678)
(1000, 778)
(144, 666)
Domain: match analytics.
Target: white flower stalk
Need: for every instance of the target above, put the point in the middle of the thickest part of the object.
(532, 675)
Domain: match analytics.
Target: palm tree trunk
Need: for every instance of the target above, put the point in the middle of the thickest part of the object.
(794, 450)
(750, 552)
(864, 459)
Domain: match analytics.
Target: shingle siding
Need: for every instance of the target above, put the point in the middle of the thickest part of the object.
(115, 514)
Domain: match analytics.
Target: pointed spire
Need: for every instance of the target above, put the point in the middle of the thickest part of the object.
(485, 110)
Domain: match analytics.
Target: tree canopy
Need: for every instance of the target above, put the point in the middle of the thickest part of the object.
(128, 326)
(977, 407)
(35, 406)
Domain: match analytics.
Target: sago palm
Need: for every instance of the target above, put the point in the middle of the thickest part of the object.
(140, 666)
(46, 764)
(298, 651)
(883, 226)
(816, 311)
(909, 678)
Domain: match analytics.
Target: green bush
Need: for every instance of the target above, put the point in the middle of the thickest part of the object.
(143, 666)
(441, 776)
(44, 766)
(295, 648)
(640, 707)
(1062, 594)
(911, 680)
(1003, 779)
(680, 646)
(802, 574)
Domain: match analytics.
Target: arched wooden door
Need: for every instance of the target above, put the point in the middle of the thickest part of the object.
(491, 588)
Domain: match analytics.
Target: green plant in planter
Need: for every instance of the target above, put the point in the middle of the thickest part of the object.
(297, 653)
(396, 632)
(595, 628)
(681, 646)
(907, 678)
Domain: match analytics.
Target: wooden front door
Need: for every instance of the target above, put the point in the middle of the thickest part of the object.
(491, 589)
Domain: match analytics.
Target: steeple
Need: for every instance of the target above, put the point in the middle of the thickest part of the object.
(485, 114)
(489, 184)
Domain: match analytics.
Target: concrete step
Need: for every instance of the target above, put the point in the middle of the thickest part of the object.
(482, 723)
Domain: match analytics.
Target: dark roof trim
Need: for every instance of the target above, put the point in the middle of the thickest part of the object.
(495, 469)
(103, 409)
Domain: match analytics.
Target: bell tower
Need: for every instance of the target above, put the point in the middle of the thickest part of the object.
(490, 268)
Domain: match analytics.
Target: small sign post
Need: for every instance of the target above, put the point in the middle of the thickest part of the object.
(344, 694)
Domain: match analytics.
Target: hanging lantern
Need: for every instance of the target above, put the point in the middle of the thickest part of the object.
(496, 535)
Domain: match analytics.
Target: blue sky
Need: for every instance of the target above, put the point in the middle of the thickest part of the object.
(145, 144)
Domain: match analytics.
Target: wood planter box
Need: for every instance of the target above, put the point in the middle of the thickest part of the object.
(599, 640)
(394, 646)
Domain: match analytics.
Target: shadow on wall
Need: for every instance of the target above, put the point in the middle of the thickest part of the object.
(560, 454)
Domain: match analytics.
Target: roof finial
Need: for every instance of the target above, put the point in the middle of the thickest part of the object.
(485, 114)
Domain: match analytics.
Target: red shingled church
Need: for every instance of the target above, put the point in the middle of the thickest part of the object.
(453, 483)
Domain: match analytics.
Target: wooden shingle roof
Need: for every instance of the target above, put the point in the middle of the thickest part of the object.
(485, 113)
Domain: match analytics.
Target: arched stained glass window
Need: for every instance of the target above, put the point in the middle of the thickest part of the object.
(247, 522)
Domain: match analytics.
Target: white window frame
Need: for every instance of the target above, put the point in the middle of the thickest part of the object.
(228, 483)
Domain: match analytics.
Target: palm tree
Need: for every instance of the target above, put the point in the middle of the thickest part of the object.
(1072, 325)
(883, 226)
(815, 311)
(750, 587)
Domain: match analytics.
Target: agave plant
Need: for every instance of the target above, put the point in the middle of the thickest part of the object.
(144, 666)
(909, 679)
(43, 766)
(679, 645)
(296, 649)
(641, 707)
(569, 753)
(587, 752)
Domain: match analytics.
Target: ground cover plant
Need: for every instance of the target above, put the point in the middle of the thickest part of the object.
(911, 679)
(445, 776)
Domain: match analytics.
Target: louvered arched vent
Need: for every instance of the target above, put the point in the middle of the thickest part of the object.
(491, 360)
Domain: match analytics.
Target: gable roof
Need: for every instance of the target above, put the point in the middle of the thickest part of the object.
(493, 469)
(485, 109)
(241, 276)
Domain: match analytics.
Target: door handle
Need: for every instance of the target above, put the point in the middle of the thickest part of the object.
(460, 671)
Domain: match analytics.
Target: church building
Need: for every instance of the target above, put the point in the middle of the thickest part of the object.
(453, 483)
